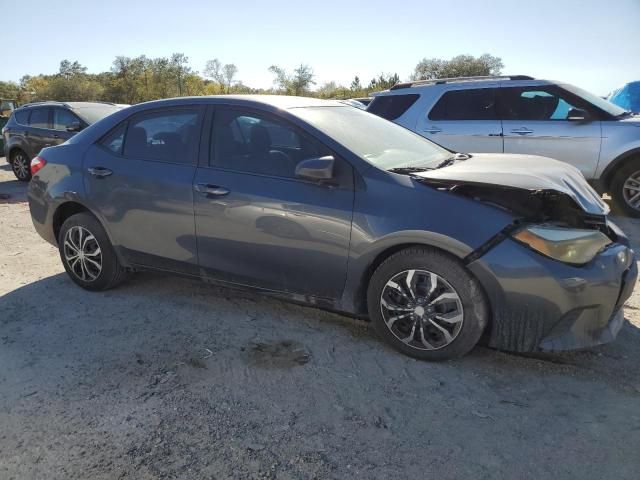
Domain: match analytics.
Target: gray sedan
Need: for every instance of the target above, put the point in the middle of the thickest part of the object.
(321, 203)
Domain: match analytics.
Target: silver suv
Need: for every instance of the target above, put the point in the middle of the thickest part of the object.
(519, 114)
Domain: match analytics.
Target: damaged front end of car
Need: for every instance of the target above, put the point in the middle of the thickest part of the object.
(558, 275)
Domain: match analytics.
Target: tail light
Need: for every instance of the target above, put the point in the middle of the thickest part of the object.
(36, 164)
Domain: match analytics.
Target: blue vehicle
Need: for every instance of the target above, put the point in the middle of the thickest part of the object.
(329, 205)
(627, 97)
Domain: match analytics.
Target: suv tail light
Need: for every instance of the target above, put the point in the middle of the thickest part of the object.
(36, 164)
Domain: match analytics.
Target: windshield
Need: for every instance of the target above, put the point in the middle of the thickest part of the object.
(378, 141)
(601, 103)
(94, 113)
(627, 97)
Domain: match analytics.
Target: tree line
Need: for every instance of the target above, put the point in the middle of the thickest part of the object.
(133, 80)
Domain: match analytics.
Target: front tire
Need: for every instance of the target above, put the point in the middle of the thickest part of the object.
(87, 254)
(625, 188)
(21, 165)
(426, 305)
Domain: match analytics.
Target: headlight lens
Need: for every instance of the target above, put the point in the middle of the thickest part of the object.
(568, 245)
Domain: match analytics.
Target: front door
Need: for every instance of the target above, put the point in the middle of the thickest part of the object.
(260, 226)
(62, 119)
(464, 120)
(535, 122)
(140, 179)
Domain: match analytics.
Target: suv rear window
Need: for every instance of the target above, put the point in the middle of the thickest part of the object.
(22, 117)
(471, 104)
(392, 106)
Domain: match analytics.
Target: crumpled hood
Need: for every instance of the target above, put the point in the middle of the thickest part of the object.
(527, 172)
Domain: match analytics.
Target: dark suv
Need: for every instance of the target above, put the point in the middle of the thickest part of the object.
(35, 126)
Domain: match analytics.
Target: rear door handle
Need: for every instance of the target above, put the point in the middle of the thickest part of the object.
(522, 131)
(433, 130)
(211, 190)
(99, 172)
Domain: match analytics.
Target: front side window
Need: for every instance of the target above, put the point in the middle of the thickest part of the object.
(166, 136)
(536, 103)
(259, 143)
(39, 118)
(392, 107)
(63, 118)
(470, 104)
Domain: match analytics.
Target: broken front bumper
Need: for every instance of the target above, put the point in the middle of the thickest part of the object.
(540, 304)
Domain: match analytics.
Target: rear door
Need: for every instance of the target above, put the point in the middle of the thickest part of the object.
(38, 135)
(464, 120)
(535, 122)
(139, 178)
(256, 223)
(62, 118)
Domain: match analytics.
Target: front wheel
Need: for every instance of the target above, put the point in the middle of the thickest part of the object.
(87, 254)
(625, 188)
(426, 305)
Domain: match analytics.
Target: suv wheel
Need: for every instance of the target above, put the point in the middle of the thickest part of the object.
(625, 188)
(87, 254)
(426, 305)
(20, 164)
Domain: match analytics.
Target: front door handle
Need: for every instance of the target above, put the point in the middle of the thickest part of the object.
(433, 130)
(99, 172)
(211, 190)
(522, 131)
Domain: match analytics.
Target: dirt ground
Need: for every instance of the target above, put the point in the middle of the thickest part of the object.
(170, 378)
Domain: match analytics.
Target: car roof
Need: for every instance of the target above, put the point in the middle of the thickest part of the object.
(49, 103)
(465, 82)
(284, 102)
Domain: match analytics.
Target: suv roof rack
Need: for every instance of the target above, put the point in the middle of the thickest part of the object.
(43, 102)
(438, 81)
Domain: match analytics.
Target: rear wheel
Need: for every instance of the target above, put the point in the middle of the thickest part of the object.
(625, 188)
(87, 254)
(20, 164)
(426, 305)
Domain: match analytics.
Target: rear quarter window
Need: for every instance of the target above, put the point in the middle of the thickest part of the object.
(22, 117)
(392, 106)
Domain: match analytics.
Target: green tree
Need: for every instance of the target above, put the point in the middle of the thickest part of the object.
(296, 83)
(460, 66)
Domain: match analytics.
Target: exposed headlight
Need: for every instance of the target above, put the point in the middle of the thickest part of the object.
(565, 244)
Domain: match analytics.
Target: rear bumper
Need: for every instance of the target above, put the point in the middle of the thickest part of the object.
(539, 304)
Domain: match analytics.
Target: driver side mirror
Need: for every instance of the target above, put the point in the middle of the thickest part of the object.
(74, 127)
(316, 169)
(578, 115)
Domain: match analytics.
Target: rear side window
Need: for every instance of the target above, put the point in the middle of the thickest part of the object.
(472, 104)
(39, 118)
(167, 136)
(114, 140)
(392, 106)
(22, 117)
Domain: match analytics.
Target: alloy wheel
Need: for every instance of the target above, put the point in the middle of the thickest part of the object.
(422, 309)
(631, 190)
(20, 165)
(82, 253)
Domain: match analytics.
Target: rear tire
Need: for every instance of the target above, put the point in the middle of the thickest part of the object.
(87, 254)
(21, 165)
(439, 295)
(623, 188)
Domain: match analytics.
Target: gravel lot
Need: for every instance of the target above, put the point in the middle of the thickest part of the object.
(170, 378)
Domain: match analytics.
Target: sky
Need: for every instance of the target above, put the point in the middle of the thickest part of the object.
(590, 43)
